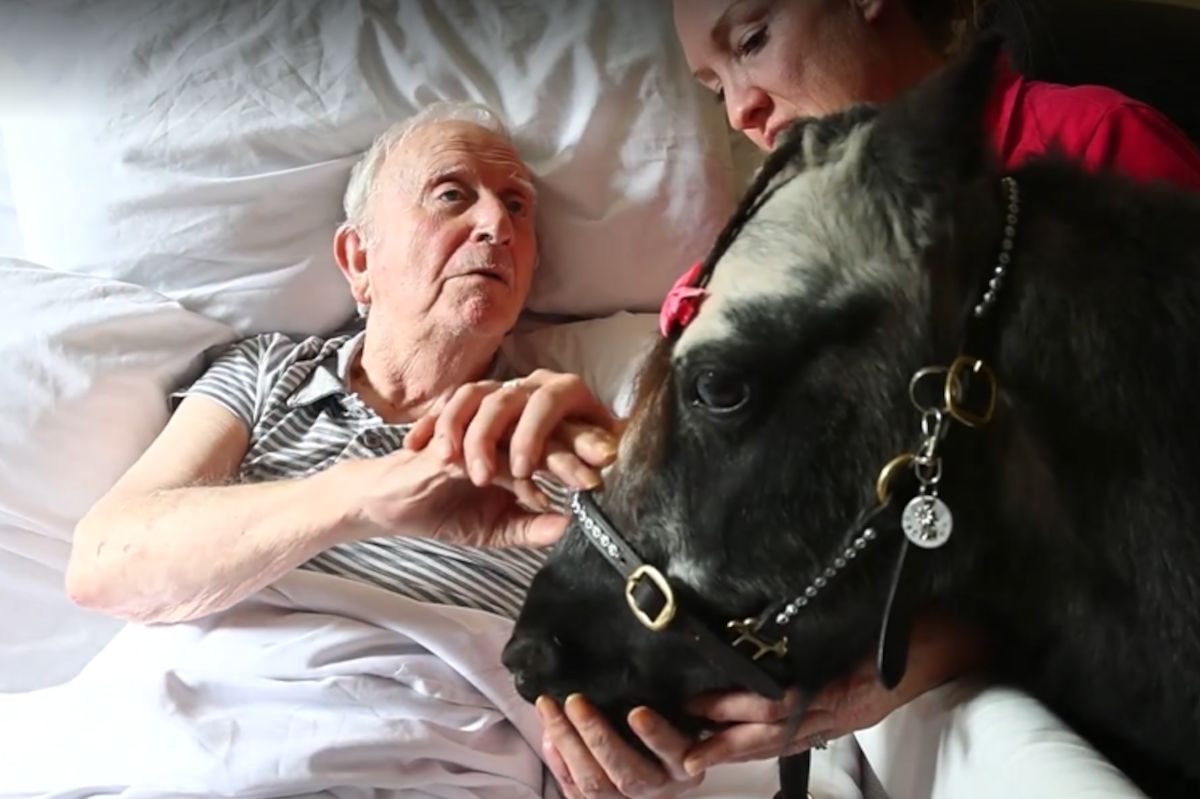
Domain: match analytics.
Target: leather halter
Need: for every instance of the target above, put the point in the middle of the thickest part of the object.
(651, 598)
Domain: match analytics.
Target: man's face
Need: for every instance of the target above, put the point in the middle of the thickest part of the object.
(453, 231)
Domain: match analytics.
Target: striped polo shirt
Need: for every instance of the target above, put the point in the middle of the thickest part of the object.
(302, 417)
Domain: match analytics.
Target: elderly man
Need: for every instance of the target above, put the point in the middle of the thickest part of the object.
(400, 454)
(290, 454)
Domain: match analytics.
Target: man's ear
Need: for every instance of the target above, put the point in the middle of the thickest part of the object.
(935, 135)
(350, 252)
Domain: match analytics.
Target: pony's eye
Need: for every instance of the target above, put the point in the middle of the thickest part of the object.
(720, 391)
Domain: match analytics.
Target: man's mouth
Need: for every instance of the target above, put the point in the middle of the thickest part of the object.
(490, 274)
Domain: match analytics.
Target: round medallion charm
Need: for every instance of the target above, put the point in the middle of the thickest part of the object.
(927, 521)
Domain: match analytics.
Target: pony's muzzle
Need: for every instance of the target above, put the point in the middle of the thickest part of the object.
(535, 661)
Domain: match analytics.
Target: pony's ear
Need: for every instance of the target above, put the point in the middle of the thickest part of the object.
(934, 136)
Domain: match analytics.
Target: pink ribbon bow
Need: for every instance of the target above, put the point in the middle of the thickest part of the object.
(683, 301)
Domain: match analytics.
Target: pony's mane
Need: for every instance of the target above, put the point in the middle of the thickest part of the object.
(648, 447)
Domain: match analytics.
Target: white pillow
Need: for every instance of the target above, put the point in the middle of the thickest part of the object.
(607, 353)
(88, 364)
(201, 149)
(10, 231)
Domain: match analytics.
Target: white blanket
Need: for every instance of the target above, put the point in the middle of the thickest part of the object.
(317, 686)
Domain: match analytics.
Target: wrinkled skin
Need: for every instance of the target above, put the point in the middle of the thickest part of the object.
(761, 428)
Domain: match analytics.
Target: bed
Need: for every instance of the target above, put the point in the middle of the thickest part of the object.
(170, 177)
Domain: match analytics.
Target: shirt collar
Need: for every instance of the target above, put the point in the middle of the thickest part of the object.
(331, 377)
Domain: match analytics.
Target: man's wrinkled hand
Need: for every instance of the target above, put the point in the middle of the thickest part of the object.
(506, 431)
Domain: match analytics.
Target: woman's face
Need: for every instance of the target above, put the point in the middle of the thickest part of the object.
(772, 61)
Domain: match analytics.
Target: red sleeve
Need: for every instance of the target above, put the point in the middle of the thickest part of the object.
(1140, 142)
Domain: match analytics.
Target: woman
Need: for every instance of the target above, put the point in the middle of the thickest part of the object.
(771, 62)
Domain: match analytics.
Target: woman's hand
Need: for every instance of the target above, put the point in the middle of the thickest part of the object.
(547, 421)
(590, 759)
(762, 728)
(941, 649)
(580, 745)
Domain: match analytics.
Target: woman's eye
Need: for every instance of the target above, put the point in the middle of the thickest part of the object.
(752, 42)
(516, 206)
(721, 392)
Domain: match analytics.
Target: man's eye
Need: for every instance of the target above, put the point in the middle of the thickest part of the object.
(451, 196)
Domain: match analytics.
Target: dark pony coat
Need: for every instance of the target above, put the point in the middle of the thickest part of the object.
(761, 428)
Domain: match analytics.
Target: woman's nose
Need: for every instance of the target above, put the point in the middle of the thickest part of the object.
(534, 660)
(748, 109)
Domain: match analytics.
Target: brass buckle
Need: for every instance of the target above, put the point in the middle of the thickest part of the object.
(747, 632)
(667, 613)
(883, 485)
(954, 389)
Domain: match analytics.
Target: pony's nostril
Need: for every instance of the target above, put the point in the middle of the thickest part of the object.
(532, 658)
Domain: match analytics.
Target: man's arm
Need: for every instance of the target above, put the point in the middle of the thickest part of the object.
(173, 540)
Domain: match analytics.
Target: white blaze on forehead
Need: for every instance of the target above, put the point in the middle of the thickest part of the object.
(817, 219)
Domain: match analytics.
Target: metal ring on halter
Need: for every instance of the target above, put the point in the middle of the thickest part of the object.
(883, 485)
(929, 472)
(968, 368)
(936, 389)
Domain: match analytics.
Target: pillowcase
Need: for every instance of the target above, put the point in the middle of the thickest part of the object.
(202, 149)
(10, 231)
(88, 364)
(607, 353)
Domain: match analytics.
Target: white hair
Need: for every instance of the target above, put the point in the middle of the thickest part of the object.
(364, 176)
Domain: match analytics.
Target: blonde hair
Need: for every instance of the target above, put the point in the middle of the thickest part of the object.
(364, 177)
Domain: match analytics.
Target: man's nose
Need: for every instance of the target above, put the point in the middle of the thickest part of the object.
(493, 224)
(534, 660)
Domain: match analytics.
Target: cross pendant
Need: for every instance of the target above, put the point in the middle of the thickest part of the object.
(747, 630)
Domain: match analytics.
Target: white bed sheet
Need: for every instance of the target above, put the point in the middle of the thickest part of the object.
(44, 639)
(316, 685)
